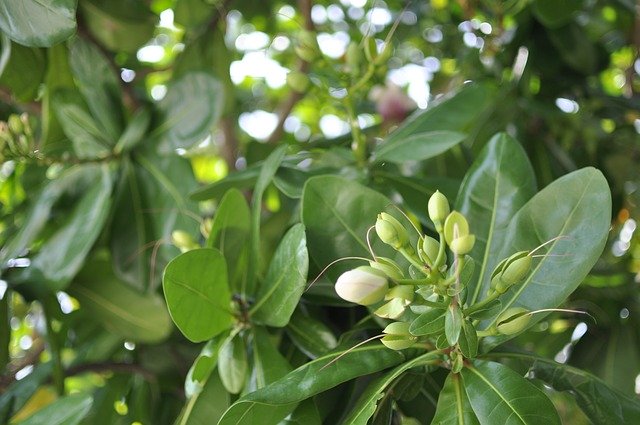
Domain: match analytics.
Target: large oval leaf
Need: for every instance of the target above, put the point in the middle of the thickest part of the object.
(420, 146)
(273, 403)
(499, 395)
(285, 280)
(38, 23)
(453, 404)
(196, 291)
(310, 335)
(69, 410)
(116, 306)
(577, 208)
(337, 214)
(499, 183)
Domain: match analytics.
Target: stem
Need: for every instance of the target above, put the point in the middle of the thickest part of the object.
(486, 333)
(48, 307)
(440, 258)
(482, 303)
(359, 145)
(411, 257)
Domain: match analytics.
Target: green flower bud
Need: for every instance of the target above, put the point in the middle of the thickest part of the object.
(511, 271)
(455, 226)
(391, 232)
(398, 336)
(307, 48)
(388, 267)
(438, 207)
(298, 81)
(463, 245)
(354, 58)
(457, 361)
(183, 240)
(428, 250)
(15, 124)
(363, 285)
(513, 320)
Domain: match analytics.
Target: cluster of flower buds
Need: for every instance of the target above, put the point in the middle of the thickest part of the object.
(425, 300)
(16, 137)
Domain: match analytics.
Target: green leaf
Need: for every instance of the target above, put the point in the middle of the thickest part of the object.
(230, 232)
(366, 405)
(204, 364)
(207, 406)
(419, 146)
(468, 341)
(99, 86)
(63, 253)
(311, 336)
(190, 109)
(337, 214)
(69, 410)
(233, 364)
(196, 291)
(20, 392)
(285, 280)
(150, 203)
(267, 172)
(24, 71)
(602, 404)
(489, 310)
(453, 320)
(273, 403)
(238, 180)
(554, 14)
(268, 364)
(38, 23)
(305, 414)
(116, 306)
(58, 77)
(135, 131)
(498, 184)
(455, 113)
(429, 323)
(499, 395)
(576, 207)
(454, 407)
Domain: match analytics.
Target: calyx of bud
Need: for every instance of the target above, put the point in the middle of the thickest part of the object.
(455, 226)
(462, 245)
(390, 231)
(511, 271)
(398, 336)
(388, 267)
(363, 285)
(428, 250)
(513, 320)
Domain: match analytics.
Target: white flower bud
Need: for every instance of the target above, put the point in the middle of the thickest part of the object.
(363, 285)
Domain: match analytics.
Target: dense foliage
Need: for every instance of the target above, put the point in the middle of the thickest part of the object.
(196, 194)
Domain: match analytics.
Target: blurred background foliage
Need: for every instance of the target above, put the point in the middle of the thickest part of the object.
(114, 111)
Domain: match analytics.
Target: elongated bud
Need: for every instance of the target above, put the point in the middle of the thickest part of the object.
(455, 226)
(462, 245)
(428, 250)
(438, 207)
(354, 58)
(307, 47)
(298, 81)
(391, 232)
(388, 267)
(15, 124)
(511, 271)
(363, 285)
(398, 336)
(513, 320)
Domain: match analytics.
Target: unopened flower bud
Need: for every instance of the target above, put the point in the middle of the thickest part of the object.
(354, 58)
(462, 245)
(398, 336)
(438, 207)
(307, 46)
(511, 271)
(428, 250)
(455, 226)
(390, 231)
(513, 320)
(15, 124)
(183, 240)
(363, 285)
(388, 267)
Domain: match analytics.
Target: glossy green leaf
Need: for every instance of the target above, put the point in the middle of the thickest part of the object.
(366, 405)
(200, 371)
(233, 364)
(468, 341)
(69, 410)
(230, 233)
(238, 180)
(150, 203)
(305, 414)
(273, 403)
(285, 281)
(428, 323)
(576, 207)
(488, 311)
(602, 404)
(19, 392)
(116, 306)
(63, 253)
(99, 86)
(453, 404)
(419, 146)
(135, 131)
(38, 23)
(454, 113)
(497, 185)
(337, 214)
(23, 72)
(207, 406)
(190, 109)
(267, 172)
(499, 395)
(58, 77)
(268, 365)
(196, 291)
(453, 320)
(311, 336)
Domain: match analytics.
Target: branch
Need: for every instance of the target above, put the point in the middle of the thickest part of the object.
(284, 110)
